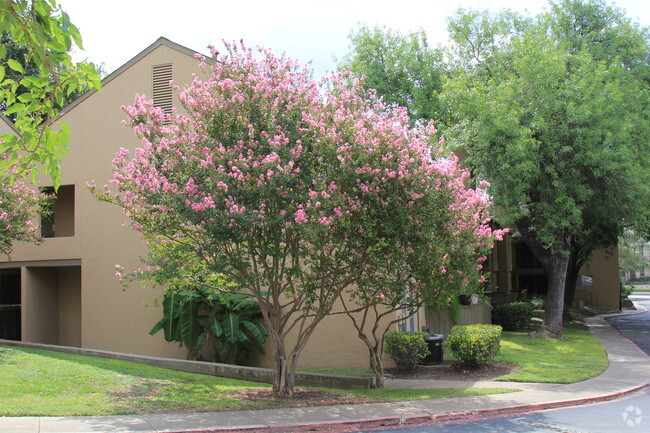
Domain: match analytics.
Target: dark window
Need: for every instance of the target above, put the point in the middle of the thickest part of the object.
(57, 219)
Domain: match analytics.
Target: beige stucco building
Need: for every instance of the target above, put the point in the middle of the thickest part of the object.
(65, 292)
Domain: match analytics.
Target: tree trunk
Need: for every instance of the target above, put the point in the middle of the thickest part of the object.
(555, 263)
(573, 270)
(556, 269)
(283, 382)
(377, 366)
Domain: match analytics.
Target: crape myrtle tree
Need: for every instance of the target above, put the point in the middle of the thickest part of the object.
(18, 205)
(35, 87)
(557, 126)
(448, 236)
(283, 185)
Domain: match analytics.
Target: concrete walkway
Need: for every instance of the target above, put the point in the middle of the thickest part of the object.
(629, 370)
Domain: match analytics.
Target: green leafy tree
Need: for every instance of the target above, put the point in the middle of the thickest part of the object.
(629, 257)
(403, 69)
(560, 133)
(36, 87)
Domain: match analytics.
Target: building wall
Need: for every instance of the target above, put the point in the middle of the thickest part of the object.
(69, 293)
(602, 270)
(40, 305)
(335, 342)
(97, 313)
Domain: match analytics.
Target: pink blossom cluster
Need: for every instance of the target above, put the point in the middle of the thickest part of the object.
(19, 206)
(265, 162)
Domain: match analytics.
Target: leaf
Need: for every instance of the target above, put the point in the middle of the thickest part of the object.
(190, 329)
(169, 322)
(231, 328)
(212, 323)
(34, 82)
(257, 330)
(13, 64)
(15, 108)
(221, 349)
(65, 22)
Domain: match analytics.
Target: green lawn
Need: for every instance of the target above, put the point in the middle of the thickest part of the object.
(578, 357)
(39, 382)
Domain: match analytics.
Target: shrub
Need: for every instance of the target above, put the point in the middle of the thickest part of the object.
(626, 289)
(538, 302)
(407, 348)
(475, 344)
(514, 316)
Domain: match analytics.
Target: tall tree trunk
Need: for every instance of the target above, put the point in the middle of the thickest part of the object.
(377, 366)
(556, 269)
(283, 380)
(573, 270)
(555, 263)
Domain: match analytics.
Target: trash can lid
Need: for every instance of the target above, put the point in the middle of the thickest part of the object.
(436, 337)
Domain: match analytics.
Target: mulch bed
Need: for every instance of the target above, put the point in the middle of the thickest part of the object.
(455, 372)
(301, 397)
(314, 397)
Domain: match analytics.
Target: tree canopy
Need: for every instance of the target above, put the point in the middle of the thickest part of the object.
(553, 112)
(403, 69)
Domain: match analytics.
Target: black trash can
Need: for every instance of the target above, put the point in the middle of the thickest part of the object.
(434, 341)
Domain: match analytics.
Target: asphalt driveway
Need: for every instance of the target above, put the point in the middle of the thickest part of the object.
(635, 326)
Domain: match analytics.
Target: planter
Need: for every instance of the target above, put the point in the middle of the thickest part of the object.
(465, 299)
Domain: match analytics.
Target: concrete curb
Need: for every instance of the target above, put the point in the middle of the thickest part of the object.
(417, 420)
(450, 416)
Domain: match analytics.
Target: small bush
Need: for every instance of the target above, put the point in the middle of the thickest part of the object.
(475, 344)
(514, 316)
(538, 302)
(626, 289)
(407, 348)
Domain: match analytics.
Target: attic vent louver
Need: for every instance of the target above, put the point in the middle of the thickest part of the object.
(162, 91)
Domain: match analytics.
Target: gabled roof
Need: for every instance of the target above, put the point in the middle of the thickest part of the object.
(9, 123)
(161, 41)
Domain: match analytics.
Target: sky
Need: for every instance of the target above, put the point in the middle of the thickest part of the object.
(313, 31)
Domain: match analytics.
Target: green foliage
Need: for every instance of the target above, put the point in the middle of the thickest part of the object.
(626, 289)
(403, 69)
(629, 257)
(407, 348)
(474, 344)
(233, 321)
(538, 302)
(33, 89)
(553, 112)
(514, 316)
